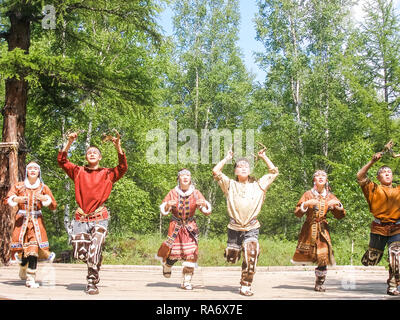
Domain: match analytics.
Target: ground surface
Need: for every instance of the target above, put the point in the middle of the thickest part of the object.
(124, 282)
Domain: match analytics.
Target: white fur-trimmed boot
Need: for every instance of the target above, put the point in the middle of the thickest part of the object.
(30, 278)
(246, 291)
(187, 272)
(186, 282)
(22, 271)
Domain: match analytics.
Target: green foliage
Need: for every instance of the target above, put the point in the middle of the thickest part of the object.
(131, 209)
(135, 248)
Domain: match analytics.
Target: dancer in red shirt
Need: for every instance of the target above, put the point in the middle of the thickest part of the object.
(93, 186)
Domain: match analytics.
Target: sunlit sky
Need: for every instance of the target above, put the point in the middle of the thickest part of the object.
(247, 41)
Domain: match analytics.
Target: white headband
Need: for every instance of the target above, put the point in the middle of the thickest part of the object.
(184, 171)
(38, 181)
(33, 164)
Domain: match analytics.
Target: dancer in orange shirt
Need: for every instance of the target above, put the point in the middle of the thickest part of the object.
(384, 203)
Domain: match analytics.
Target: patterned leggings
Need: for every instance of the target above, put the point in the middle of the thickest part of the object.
(88, 240)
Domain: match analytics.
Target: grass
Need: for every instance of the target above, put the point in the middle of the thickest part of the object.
(139, 249)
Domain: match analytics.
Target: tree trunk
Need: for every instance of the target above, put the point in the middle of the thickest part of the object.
(295, 84)
(196, 110)
(211, 200)
(12, 163)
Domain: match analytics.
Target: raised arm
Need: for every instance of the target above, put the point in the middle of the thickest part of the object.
(362, 173)
(71, 138)
(268, 162)
(117, 142)
(273, 172)
(62, 158)
(122, 167)
(220, 165)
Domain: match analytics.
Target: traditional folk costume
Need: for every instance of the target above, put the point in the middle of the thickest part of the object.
(244, 202)
(89, 230)
(183, 234)
(384, 204)
(314, 245)
(29, 237)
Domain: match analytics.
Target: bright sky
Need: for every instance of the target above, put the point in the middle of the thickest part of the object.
(247, 35)
(247, 42)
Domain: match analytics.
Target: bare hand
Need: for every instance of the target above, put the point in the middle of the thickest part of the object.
(229, 156)
(311, 203)
(333, 203)
(376, 157)
(172, 203)
(200, 203)
(116, 141)
(20, 199)
(261, 153)
(41, 197)
(72, 136)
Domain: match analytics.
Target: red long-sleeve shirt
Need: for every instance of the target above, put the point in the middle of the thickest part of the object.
(92, 187)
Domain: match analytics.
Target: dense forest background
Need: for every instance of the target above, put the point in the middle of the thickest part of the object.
(330, 99)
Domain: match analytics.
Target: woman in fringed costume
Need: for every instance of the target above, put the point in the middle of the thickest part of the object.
(314, 245)
(93, 185)
(384, 203)
(29, 237)
(182, 241)
(244, 197)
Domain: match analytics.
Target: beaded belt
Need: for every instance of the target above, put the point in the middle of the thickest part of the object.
(376, 220)
(100, 213)
(32, 213)
(183, 221)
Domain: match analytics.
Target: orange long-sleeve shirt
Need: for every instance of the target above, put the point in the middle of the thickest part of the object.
(383, 201)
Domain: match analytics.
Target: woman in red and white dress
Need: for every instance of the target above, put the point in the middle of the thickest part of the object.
(29, 237)
(183, 233)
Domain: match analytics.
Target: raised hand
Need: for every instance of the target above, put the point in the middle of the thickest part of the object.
(72, 136)
(261, 153)
(376, 157)
(229, 156)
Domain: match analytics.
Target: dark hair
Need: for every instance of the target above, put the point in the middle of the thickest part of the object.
(240, 160)
(250, 178)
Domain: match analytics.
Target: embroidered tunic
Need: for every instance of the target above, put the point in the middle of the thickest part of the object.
(314, 244)
(384, 204)
(92, 187)
(29, 235)
(182, 241)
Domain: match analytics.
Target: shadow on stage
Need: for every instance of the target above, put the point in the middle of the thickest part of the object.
(209, 288)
